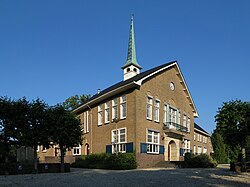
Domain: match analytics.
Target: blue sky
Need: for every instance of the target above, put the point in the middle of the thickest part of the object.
(56, 49)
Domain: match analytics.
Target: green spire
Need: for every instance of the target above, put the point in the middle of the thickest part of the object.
(131, 58)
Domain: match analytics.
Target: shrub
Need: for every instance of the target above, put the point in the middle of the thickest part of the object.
(121, 161)
(200, 161)
(107, 161)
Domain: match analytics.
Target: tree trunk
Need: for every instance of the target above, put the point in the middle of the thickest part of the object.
(35, 160)
(62, 158)
(6, 172)
(243, 160)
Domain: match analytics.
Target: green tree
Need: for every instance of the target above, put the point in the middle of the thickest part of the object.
(13, 114)
(232, 122)
(34, 132)
(64, 130)
(219, 148)
(74, 101)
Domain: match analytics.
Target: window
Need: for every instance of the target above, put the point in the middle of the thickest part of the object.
(194, 149)
(77, 150)
(184, 122)
(149, 107)
(85, 122)
(37, 149)
(188, 124)
(186, 146)
(119, 140)
(153, 141)
(44, 149)
(172, 115)
(157, 111)
(165, 117)
(199, 151)
(200, 138)
(100, 114)
(114, 108)
(194, 136)
(123, 106)
(205, 139)
(107, 112)
(204, 150)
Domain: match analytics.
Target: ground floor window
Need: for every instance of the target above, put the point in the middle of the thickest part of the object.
(199, 150)
(77, 150)
(153, 141)
(186, 146)
(119, 140)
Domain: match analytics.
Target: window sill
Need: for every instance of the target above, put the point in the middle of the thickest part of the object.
(150, 153)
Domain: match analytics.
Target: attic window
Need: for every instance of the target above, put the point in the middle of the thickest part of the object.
(128, 69)
(135, 70)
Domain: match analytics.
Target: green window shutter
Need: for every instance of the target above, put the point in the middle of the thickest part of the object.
(108, 148)
(181, 152)
(129, 147)
(143, 147)
(161, 149)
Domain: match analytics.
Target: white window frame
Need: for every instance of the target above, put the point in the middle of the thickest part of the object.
(149, 107)
(186, 146)
(77, 150)
(172, 114)
(204, 150)
(44, 149)
(188, 123)
(157, 104)
(86, 122)
(115, 108)
(184, 120)
(199, 150)
(100, 114)
(153, 146)
(116, 140)
(37, 149)
(123, 107)
(194, 149)
(107, 112)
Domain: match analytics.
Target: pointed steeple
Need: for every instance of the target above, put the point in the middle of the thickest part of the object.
(131, 67)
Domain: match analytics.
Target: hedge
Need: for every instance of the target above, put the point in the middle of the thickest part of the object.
(199, 161)
(120, 161)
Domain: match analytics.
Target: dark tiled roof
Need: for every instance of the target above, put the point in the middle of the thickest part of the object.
(122, 83)
(199, 128)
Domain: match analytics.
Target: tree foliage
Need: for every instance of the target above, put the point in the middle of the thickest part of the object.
(233, 123)
(219, 148)
(30, 124)
(64, 130)
(74, 101)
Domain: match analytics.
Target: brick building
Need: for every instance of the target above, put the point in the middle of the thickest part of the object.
(150, 113)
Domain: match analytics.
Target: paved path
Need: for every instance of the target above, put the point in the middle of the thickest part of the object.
(146, 177)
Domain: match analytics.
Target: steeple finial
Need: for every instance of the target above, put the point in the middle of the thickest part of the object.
(131, 58)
